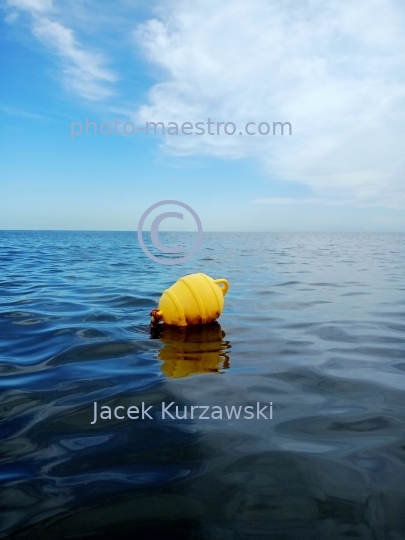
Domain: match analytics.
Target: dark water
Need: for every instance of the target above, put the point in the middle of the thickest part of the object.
(314, 324)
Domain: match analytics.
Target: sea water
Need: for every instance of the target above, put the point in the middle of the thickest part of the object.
(313, 324)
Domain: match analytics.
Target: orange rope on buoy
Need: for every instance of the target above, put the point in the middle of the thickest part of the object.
(156, 316)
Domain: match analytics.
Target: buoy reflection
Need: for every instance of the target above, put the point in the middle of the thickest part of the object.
(191, 350)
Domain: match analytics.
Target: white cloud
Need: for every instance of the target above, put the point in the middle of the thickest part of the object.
(290, 200)
(31, 5)
(11, 17)
(14, 111)
(84, 71)
(335, 69)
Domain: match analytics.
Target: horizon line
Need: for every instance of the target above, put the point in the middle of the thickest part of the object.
(209, 231)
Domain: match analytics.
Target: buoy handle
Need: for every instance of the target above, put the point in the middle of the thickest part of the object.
(225, 284)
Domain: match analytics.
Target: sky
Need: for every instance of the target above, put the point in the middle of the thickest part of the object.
(333, 69)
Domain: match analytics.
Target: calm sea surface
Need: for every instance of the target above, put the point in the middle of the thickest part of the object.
(313, 323)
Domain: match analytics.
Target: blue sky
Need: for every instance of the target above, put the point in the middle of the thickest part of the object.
(333, 69)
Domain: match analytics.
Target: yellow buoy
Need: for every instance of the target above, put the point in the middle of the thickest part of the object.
(193, 299)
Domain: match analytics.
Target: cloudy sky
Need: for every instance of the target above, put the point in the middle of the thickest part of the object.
(333, 69)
